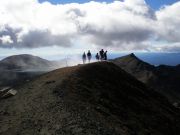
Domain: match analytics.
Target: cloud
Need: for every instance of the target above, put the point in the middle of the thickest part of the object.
(8, 36)
(32, 39)
(38, 38)
(126, 25)
(171, 47)
(169, 22)
(6, 40)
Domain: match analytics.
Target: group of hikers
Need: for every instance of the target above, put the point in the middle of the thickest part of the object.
(102, 55)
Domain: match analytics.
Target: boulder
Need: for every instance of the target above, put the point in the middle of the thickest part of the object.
(4, 90)
(5, 93)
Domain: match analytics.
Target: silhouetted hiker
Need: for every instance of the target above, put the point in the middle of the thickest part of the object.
(97, 56)
(101, 54)
(105, 55)
(89, 56)
(84, 58)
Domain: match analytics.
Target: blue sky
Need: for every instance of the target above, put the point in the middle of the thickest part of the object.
(155, 4)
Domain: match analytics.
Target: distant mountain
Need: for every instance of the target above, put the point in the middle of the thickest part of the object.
(16, 69)
(166, 79)
(26, 62)
(98, 98)
(156, 59)
(138, 68)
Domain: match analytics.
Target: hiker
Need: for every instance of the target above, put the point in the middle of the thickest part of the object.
(101, 54)
(89, 56)
(84, 58)
(105, 55)
(97, 56)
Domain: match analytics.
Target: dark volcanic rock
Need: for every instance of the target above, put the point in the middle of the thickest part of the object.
(163, 78)
(138, 68)
(97, 98)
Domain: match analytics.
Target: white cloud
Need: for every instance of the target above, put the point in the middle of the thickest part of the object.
(126, 25)
(6, 40)
(169, 22)
(167, 47)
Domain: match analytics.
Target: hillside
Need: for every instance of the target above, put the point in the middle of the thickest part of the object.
(168, 81)
(16, 69)
(138, 68)
(26, 62)
(97, 98)
(165, 79)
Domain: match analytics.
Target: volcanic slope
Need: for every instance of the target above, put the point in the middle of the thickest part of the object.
(141, 70)
(16, 69)
(92, 99)
(27, 62)
(165, 79)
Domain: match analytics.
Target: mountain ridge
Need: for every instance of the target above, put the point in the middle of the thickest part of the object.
(97, 98)
(164, 78)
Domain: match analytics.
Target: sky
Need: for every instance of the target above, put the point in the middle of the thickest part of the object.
(155, 4)
(73, 1)
(56, 27)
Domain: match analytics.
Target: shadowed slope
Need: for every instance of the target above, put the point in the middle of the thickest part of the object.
(163, 78)
(97, 98)
(138, 68)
